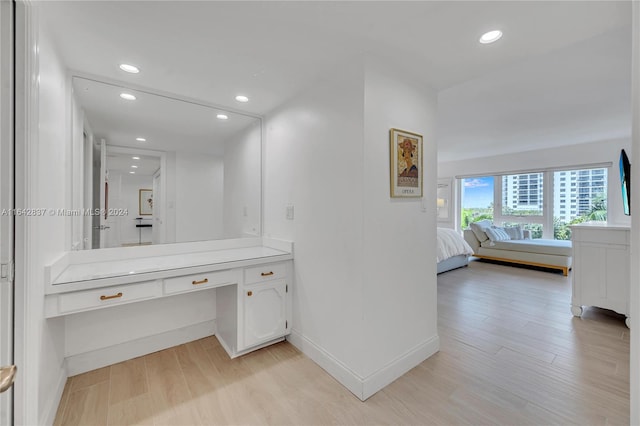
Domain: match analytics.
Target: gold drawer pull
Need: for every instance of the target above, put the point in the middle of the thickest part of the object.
(266, 274)
(115, 296)
(206, 280)
(249, 293)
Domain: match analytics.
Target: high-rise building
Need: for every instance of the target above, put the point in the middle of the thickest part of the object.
(576, 190)
(522, 192)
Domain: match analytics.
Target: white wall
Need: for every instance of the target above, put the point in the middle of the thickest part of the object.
(327, 154)
(49, 236)
(400, 300)
(76, 177)
(634, 303)
(242, 183)
(313, 160)
(170, 192)
(566, 156)
(198, 197)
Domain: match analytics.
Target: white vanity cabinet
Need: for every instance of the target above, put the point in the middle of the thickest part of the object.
(265, 310)
(601, 267)
(252, 285)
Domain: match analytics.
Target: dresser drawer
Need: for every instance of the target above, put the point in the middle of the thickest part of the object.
(199, 281)
(267, 272)
(609, 236)
(108, 296)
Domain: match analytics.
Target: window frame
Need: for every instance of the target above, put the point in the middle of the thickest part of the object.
(546, 219)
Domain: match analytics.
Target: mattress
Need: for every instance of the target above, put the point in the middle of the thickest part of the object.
(541, 246)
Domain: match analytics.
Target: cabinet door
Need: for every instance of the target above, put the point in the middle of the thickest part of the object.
(265, 312)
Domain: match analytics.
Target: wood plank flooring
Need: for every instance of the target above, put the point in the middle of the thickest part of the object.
(511, 354)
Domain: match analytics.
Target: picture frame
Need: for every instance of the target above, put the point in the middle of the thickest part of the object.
(406, 164)
(443, 200)
(145, 202)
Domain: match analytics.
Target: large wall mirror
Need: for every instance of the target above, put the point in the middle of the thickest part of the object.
(160, 169)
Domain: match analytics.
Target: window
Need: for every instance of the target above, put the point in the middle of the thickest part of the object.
(476, 200)
(524, 198)
(540, 202)
(588, 200)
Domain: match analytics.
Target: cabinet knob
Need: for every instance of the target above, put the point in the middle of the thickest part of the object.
(249, 293)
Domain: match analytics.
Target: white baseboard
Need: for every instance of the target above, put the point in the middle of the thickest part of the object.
(361, 387)
(99, 358)
(331, 365)
(399, 366)
(51, 406)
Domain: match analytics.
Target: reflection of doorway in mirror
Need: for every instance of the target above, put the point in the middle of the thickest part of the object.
(443, 201)
(131, 170)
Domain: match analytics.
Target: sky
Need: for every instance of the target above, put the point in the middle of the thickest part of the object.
(477, 192)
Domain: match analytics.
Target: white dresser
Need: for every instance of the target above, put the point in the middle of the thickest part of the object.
(601, 267)
(252, 281)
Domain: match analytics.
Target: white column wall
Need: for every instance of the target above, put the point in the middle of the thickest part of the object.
(313, 161)
(360, 311)
(399, 275)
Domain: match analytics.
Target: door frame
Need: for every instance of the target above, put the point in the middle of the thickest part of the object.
(28, 322)
(7, 146)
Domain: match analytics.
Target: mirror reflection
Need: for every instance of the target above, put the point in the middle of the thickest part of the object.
(161, 170)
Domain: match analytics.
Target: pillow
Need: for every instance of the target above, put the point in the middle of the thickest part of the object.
(495, 233)
(479, 228)
(515, 232)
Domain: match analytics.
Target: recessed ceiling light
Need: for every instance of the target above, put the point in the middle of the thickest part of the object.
(490, 37)
(141, 139)
(222, 117)
(136, 158)
(242, 98)
(127, 96)
(129, 68)
(134, 167)
(132, 173)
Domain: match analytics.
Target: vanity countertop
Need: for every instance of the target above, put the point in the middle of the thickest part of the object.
(120, 271)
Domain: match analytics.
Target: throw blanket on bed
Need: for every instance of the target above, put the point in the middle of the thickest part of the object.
(450, 244)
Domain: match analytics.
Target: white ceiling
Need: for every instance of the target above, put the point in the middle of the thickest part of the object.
(559, 75)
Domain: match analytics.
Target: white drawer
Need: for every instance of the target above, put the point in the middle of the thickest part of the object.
(610, 236)
(267, 272)
(108, 296)
(199, 281)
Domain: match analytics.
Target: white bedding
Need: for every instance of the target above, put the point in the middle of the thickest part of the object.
(450, 244)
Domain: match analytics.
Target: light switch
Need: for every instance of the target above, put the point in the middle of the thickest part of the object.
(289, 211)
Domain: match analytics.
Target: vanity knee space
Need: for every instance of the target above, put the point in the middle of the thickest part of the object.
(249, 299)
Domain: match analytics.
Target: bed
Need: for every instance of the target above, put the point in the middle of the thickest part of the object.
(452, 250)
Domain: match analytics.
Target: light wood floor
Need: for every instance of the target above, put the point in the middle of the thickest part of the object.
(511, 353)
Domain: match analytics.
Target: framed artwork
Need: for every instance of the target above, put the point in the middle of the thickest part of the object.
(406, 164)
(443, 200)
(145, 202)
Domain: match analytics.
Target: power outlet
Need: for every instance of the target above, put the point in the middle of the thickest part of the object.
(289, 211)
